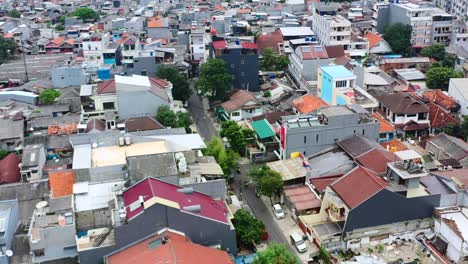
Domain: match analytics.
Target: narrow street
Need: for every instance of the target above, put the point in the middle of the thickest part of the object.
(200, 118)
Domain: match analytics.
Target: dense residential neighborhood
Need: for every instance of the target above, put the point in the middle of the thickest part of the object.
(223, 131)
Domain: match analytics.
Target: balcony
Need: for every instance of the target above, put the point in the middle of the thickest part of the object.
(335, 214)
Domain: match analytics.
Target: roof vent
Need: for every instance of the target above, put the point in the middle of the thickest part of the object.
(188, 190)
(193, 208)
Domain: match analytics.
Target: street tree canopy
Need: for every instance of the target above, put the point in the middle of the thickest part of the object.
(439, 77)
(227, 159)
(249, 229)
(269, 182)
(48, 96)
(437, 51)
(7, 49)
(273, 62)
(86, 13)
(215, 80)
(169, 118)
(14, 13)
(458, 130)
(399, 37)
(181, 89)
(276, 254)
(236, 135)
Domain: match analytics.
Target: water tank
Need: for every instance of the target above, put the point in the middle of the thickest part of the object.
(307, 39)
(237, 42)
(121, 141)
(182, 165)
(127, 140)
(116, 3)
(104, 73)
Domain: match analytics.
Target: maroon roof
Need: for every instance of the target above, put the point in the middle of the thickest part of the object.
(356, 145)
(150, 187)
(95, 124)
(302, 198)
(357, 186)
(376, 160)
(106, 87)
(130, 41)
(269, 41)
(402, 103)
(312, 52)
(335, 51)
(271, 117)
(141, 124)
(412, 126)
(321, 183)
(219, 44)
(249, 45)
(9, 169)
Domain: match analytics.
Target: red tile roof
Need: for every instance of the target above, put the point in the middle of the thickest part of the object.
(157, 22)
(376, 160)
(210, 208)
(385, 126)
(61, 183)
(357, 186)
(321, 183)
(312, 52)
(308, 104)
(106, 87)
(238, 100)
(439, 118)
(335, 51)
(269, 41)
(177, 249)
(95, 124)
(440, 98)
(219, 44)
(159, 82)
(9, 169)
(141, 124)
(302, 198)
(394, 145)
(249, 45)
(373, 39)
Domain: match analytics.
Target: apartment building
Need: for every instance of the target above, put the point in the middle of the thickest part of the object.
(304, 63)
(309, 134)
(197, 45)
(331, 29)
(431, 25)
(457, 8)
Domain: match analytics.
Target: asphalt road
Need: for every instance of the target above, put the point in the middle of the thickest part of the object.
(200, 118)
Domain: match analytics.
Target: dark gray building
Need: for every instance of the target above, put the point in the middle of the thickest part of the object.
(309, 134)
(241, 60)
(152, 205)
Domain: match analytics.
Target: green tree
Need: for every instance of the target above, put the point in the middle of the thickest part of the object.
(449, 60)
(184, 120)
(7, 49)
(214, 80)
(276, 254)
(181, 89)
(48, 96)
(458, 130)
(235, 136)
(436, 51)
(269, 182)
(59, 27)
(14, 13)
(249, 229)
(272, 61)
(439, 77)
(3, 153)
(227, 159)
(86, 13)
(324, 255)
(399, 37)
(62, 20)
(267, 94)
(166, 116)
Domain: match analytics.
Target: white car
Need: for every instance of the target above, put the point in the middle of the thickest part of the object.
(298, 242)
(279, 213)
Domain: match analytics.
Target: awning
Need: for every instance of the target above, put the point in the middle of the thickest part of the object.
(263, 129)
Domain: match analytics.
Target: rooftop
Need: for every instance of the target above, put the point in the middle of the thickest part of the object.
(337, 71)
(357, 145)
(296, 31)
(289, 169)
(152, 191)
(263, 129)
(411, 74)
(308, 103)
(61, 183)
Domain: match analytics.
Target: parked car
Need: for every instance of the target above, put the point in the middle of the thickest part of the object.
(278, 211)
(298, 242)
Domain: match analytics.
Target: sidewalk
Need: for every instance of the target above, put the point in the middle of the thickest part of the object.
(288, 226)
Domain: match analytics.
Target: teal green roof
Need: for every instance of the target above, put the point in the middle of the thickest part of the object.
(263, 129)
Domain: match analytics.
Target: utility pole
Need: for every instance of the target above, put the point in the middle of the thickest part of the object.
(24, 60)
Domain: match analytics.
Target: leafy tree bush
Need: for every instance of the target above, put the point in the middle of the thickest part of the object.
(324, 255)
(7, 49)
(249, 229)
(439, 77)
(273, 62)
(48, 96)
(3, 153)
(227, 159)
(181, 89)
(276, 254)
(169, 118)
(14, 13)
(214, 80)
(86, 13)
(399, 37)
(269, 182)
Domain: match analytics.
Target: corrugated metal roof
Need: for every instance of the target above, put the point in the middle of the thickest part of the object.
(263, 129)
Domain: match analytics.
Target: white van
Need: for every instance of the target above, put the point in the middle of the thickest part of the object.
(298, 242)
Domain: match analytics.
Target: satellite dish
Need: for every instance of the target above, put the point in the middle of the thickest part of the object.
(9, 253)
(41, 204)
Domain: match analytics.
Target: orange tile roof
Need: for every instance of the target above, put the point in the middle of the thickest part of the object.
(385, 126)
(177, 249)
(244, 11)
(57, 41)
(63, 129)
(70, 41)
(308, 103)
(157, 22)
(373, 39)
(394, 145)
(440, 98)
(61, 183)
(439, 118)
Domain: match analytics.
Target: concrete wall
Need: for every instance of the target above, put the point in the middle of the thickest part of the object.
(13, 221)
(159, 33)
(67, 76)
(244, 68)
(54, 240)
(457, 95)
(147, 105)
(142, 64)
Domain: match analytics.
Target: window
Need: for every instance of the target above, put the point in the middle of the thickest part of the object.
(305, 139)
(412, 115)
(316, 138)
(108, 105)
(363, 132)
(242, 73)
(144, 73)
(242, 61)
(233, 77)
(340, 84)
(235, 114)
(232, 65)
(39, 252)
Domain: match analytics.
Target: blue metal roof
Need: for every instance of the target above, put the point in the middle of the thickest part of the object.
(337, 71)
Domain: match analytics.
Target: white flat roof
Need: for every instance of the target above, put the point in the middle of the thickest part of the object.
(86, 90)
(81, 156)
(182, 142)
(133, 80)
(296, 31)
(408, 154)
(97, 196)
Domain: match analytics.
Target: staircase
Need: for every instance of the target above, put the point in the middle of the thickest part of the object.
(101, 237)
